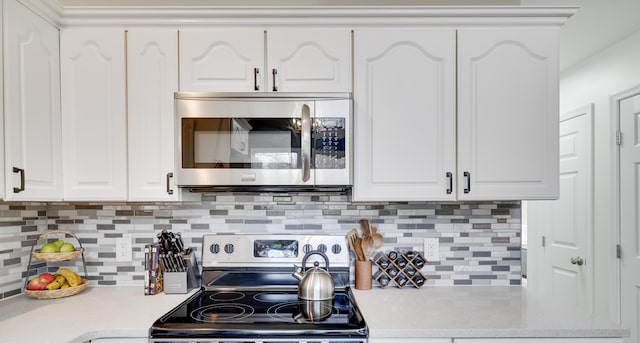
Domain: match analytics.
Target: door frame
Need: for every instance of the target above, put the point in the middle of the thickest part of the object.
(615, 282)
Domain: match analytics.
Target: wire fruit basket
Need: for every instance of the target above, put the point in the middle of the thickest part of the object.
(57, 257)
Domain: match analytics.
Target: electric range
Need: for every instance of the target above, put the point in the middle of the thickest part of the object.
(249, 295)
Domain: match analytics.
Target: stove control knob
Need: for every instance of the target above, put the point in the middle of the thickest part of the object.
(214, 248)
(228, 248)
(306, 248)
(336, 249)
(322, 248)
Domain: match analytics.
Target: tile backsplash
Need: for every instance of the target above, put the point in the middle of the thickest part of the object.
(479, 241)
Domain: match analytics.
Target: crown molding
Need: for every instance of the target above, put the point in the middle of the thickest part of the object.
(352, 16)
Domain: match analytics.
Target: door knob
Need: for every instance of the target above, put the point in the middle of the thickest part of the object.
(577, 260)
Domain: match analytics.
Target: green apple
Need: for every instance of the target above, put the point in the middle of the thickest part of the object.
(49, 248)
(58, 243)
(67, 247)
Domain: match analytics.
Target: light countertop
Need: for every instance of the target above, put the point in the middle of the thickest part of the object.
(97, 312)
(446, 312)
(472, 312)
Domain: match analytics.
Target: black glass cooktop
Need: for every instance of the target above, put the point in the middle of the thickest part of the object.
(216, 314)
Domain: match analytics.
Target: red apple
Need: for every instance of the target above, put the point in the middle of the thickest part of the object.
(48, 276)
(40, 282)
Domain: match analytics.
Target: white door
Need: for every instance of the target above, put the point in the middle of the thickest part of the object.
(32, 105)
(152, 58)
(566, 273)
(629, 221)
(404, 98)
(222, 60)
(309, 60)
(94, 126)
(507, 114)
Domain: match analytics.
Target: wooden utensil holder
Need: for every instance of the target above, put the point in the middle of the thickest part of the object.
(363, 275)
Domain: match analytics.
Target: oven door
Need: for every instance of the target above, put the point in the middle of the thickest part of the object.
(265, 141)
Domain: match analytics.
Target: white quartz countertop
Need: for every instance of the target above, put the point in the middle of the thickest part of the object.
(472, 312)
(97, 312)
(459, 311)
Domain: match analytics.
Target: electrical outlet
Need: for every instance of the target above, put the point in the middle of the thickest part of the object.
(432, 249)
(124, 249)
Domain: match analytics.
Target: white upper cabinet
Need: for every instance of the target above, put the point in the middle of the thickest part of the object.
(221, 60)
(404, 99)
(408, 145)
(508, 114)
(233, 60)
(309, 60)
(94, 114)
(2, 153)
(152, 67)
(33, 157)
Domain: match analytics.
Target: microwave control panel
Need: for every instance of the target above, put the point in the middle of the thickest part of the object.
(329, 143)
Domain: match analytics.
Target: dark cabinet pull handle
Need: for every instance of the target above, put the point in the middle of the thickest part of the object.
(467, 175)
(169, 176)
(256, 71)
(21, 171)
(450, 177)
(274, 72)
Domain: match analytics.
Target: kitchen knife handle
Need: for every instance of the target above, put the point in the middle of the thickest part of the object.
(450, 177)
(169, 190)
(467, 175)
(21, 172)
(256, 71)
(274, 72)
(306, 143)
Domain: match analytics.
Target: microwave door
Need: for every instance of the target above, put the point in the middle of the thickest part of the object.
(228, 143)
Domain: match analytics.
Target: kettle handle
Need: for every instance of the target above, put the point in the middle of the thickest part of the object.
(315, 252)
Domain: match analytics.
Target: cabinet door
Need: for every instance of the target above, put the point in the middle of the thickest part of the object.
(405, 135)
(2, 153)
(32, 106)
(309, 60)
(152, 67)
(93, 114)
(221, 60)
(508, 113)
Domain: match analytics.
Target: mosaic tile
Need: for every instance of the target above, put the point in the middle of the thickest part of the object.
(479, 241)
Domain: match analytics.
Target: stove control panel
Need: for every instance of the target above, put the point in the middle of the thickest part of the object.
(253, 250)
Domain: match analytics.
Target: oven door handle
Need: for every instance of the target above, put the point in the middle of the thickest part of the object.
(306, 143)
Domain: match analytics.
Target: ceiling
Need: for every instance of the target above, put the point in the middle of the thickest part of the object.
(597, 25)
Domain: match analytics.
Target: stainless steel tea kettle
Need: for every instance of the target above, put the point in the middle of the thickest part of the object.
(315, 283)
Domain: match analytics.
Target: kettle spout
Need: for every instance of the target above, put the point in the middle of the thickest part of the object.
(297, 272)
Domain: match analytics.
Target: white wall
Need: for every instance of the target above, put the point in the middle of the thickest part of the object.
(596, 80)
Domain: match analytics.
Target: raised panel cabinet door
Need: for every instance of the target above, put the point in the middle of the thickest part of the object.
(152, 67)
(404, 115)
(508, 114)
(309, 60)
(222, 60)
(32, 106)
(94, 114)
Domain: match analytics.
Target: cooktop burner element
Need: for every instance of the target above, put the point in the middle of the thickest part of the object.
(252, 298)
(227, 296)
(222, 313)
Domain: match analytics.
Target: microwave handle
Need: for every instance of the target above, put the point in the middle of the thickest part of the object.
(306, 143)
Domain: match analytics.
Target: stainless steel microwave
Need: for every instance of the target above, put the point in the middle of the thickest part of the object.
(263, 140)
